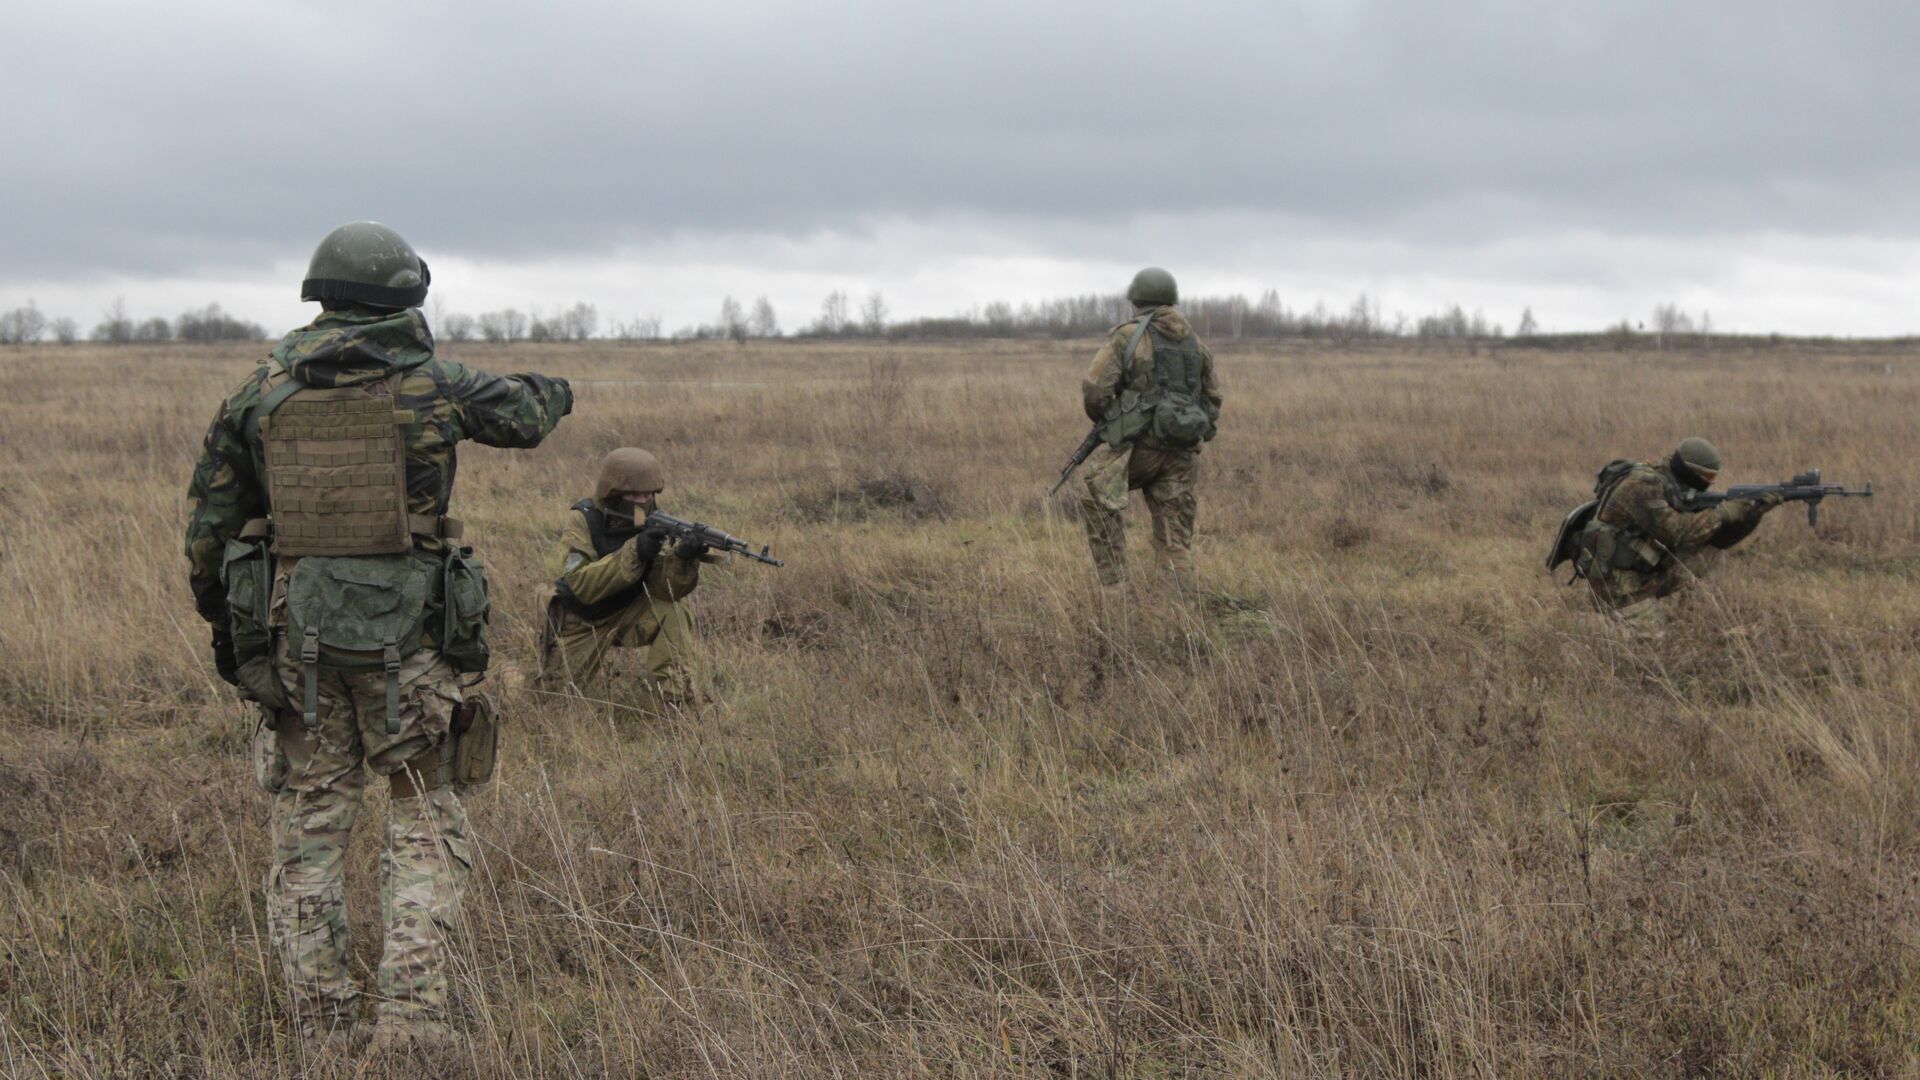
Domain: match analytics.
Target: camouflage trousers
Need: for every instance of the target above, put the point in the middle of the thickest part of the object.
(318, 783)
(573, 651)
(1639, 606)
(1166, 478)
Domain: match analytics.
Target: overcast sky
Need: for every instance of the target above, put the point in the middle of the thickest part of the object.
(1589, 160)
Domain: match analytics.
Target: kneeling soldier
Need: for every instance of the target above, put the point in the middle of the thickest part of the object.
(617, 588)
(1643, 543)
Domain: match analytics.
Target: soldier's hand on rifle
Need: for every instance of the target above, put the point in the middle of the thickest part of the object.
(690, 550)
(224, 660)
(1756, 507)
(646, 546)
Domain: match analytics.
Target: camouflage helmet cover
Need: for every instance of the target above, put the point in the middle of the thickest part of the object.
(364, 262)
(629, 469)
(1153, 286)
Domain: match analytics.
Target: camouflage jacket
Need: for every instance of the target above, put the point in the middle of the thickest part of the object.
(450, 402)
(1105, 380)
(1645, 500)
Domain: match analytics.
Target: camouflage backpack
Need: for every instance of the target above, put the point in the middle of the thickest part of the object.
(1172, 412)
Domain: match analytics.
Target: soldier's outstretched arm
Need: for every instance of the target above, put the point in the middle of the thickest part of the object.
(226, 495)
(513, 411)
(1677, 530)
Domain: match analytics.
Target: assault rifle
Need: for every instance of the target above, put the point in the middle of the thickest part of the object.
(1079, 458)
(1805, 488)
(706, 535)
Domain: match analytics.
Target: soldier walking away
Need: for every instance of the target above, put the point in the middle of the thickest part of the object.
(1639, 542)
(343, 602)
(1154, 395)
(618, 588)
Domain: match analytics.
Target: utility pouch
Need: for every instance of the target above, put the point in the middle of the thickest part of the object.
(466, 609)
(1181, 421)
(1129, 418)
(247, 573)
(359, 613)
(476, 735)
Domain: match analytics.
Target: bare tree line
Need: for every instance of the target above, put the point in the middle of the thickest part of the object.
(1226, 318)
(27, 325)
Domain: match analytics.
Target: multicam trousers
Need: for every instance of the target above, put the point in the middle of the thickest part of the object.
(1638, 605)
(1166, 478)
(574, 651)
(317, 782)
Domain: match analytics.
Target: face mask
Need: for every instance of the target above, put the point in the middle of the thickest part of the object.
(1685, 474)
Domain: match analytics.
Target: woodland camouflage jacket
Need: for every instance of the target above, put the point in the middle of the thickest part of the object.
(450, 403)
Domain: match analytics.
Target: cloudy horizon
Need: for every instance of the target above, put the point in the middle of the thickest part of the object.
(1588, 164)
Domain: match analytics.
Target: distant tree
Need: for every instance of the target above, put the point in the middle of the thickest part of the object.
(1668, 319)
(764, 323)
(504, 326)
(579, 322)
(833, 314)
(458, 326)
(642, 328)
(65, 330)
(873, 314)
(998, 317)
(1528, 325)
(152, 330)
(23, 325)
(212, 324)
(114, 327)
(733, 321)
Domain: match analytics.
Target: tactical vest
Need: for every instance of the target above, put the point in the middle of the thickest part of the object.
(604, 544)
(336, 469)
(1605, 545)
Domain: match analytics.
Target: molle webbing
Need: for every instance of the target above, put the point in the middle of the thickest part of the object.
(1171, 357)
(337, 471)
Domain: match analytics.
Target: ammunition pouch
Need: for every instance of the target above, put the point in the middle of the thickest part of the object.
(1605, 548)
(247, 573)
(358, 613)
(476, 740)
(466, 608)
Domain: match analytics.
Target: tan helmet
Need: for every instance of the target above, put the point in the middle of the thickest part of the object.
(629, 469)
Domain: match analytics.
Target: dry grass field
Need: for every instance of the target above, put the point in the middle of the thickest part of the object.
(1388, 802)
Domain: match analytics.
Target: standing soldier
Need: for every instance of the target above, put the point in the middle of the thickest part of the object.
(1641, 546)
(617, 588)
(1153, 391)
(342, 602)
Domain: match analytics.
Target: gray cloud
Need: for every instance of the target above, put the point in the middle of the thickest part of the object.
(203, 138)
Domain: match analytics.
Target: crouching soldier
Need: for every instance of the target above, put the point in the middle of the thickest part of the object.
(618, 588)
(1640, 541)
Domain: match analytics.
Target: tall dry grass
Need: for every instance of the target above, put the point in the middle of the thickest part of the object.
(1389, 803)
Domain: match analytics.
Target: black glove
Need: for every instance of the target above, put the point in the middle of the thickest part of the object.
(690, 549)
(646, 546)
(223, 659)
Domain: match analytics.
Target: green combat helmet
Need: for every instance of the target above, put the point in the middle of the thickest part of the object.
(1153, 286)
(1696, 463)
(367, 263)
